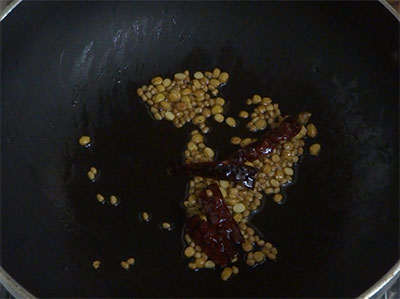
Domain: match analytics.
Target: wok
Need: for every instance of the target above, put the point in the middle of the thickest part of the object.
(72, 69)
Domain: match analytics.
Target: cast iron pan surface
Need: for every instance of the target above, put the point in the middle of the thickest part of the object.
(72, 68)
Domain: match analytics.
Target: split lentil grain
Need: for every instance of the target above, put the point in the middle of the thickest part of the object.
(145, 216)
(315, 149)
(96, 264)
(226, 273)
(311, 130)
(219, 117)
(166, 226)
(230, 121)
(125, 265)
(84, 140)
(243, 114)
(209, 264)
(91, 175)
(278, 197)
(114, 200)
(100, 198)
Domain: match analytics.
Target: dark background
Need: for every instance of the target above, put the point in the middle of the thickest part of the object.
(72, 68)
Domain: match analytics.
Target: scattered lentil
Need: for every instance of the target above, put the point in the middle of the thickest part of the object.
(91, 175)
(235, 270)
(243, 114)
(96, 264)
(259, 256)
(113, 200)
(84, 140)
(226, 273)
(278, 197)
(239, 208)
(311, 130)
(130, 261)
(100, 198)
(315, 149)
(209, 264)
(166, 226)
(219, 118)
(189, 251)
(124, 265)
(145, 216)
(230, 121)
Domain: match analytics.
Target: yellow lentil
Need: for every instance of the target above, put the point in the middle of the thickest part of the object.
(189, 251)
(146, 216)
(219, 101)
(237, 217)
(167, 82)
(199, 119)
(235, 270)
(113, 200)
(259, 256)
(245, 142)
(230, 121)
(223, 77)
(169, 116)
(198, 75)
(84, 140)
(180, 76)
(311, 130)
(96, 264)
(209, 264)
(216, 109)
(199, 262)
(239, 208)
(166, 225)
(278, 197)
(100, 198)
(219, 118)
(156, 81)
(130, 261)
(209, 152)
(315, 149)
(91, 175)
(226, 273)
(236, 140)
(256, 99)
(243, 114)
(124, 265)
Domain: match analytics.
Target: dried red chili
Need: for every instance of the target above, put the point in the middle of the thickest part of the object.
(213, 243)
(220, 170)
(233, 169)
(289, 128)
(218, 235)
(218, 213)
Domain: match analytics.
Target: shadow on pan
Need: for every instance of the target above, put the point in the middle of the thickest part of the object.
(72, 68)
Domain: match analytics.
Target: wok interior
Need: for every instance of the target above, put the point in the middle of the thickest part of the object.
(72, 68)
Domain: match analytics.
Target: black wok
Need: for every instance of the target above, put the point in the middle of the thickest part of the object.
(72, 68)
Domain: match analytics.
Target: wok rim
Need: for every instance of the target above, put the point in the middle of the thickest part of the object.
(381, 286)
